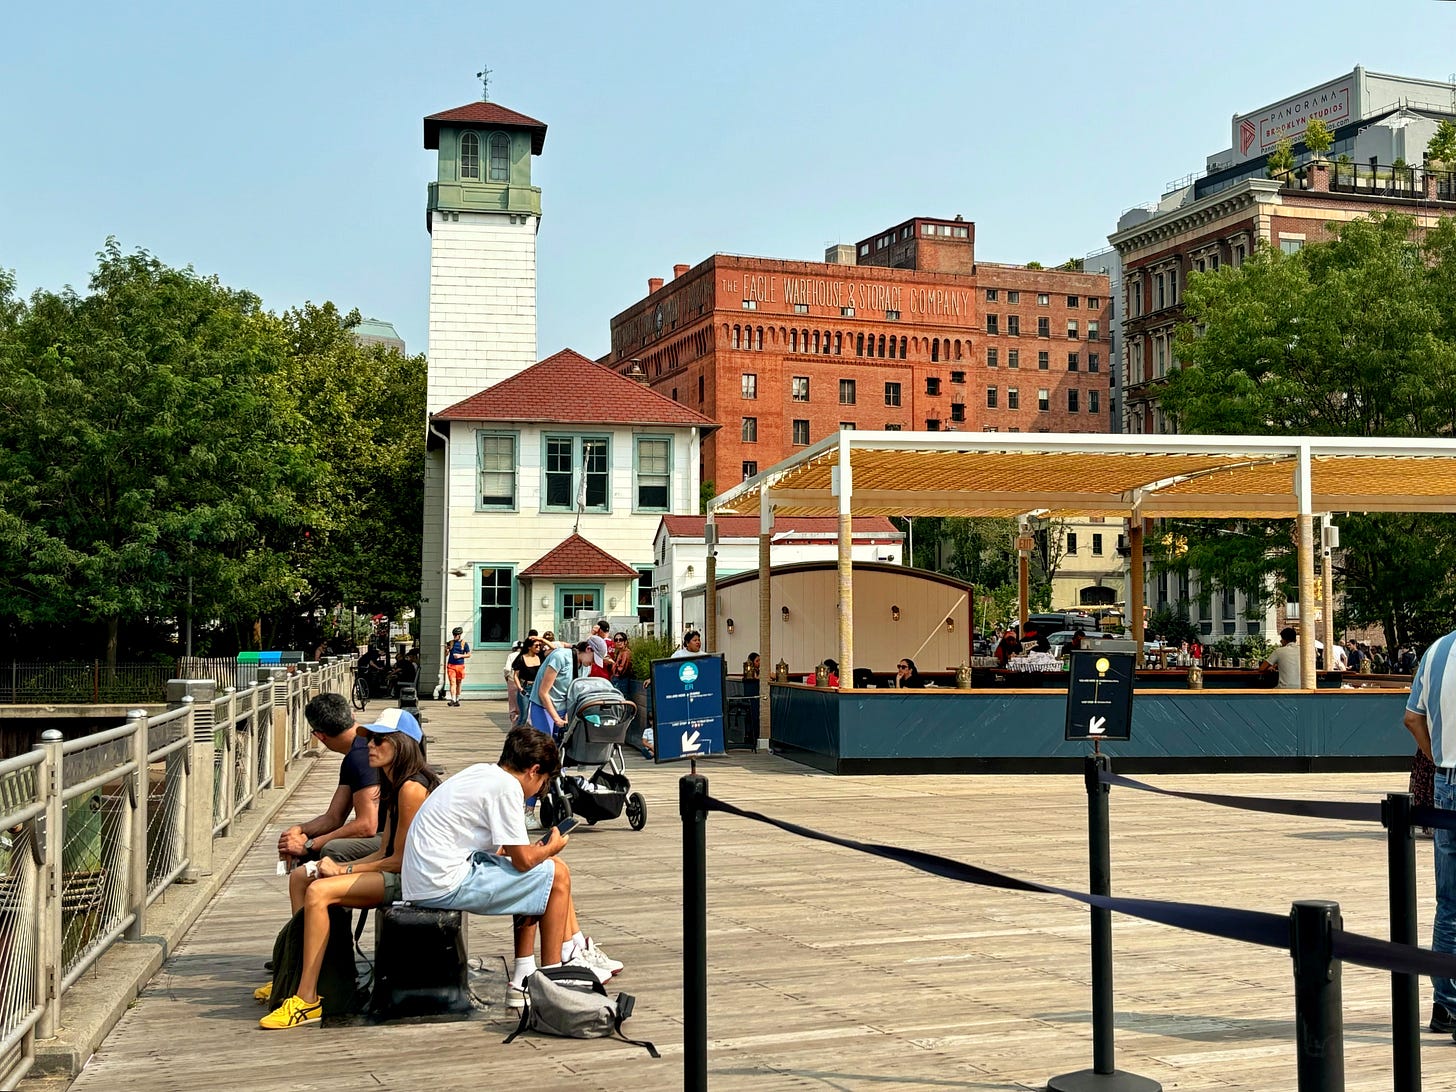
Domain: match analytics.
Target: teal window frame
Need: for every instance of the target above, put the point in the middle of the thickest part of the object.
(489, 158)
(563, 590)
(515, 438)
(578, 440)
(637, 440)
(460, 158)
(509, 568)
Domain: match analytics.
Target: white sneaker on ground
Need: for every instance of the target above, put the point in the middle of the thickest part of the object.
(595, 955)
(578, 959)
(533, 824)
(515, 996)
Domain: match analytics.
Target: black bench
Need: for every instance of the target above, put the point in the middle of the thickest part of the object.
(420, 964)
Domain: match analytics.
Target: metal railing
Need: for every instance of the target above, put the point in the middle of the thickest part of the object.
(93, 682)
(94, 830)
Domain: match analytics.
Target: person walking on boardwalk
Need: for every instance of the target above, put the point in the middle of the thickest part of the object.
(1432, 700)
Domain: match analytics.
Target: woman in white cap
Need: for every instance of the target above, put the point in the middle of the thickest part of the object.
(396, 750)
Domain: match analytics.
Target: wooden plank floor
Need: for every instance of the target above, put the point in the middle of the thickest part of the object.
(830, 969)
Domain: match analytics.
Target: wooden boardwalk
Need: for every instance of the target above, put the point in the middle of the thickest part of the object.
(832, 970)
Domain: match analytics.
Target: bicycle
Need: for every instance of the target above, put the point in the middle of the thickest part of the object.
(361, 692)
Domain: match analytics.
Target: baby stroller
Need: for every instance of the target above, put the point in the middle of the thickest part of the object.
(597, 720)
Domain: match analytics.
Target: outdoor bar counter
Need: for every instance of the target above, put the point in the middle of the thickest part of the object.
(1019, 730)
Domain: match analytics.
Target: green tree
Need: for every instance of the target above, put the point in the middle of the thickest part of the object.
(1281, 159)
(1317, 137)
(1441, 148)
(145, 437)
(1354, 337)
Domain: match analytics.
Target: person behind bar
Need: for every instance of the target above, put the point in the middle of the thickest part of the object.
(1285, 660)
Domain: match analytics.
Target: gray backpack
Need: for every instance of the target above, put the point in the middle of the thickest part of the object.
(570, 1002)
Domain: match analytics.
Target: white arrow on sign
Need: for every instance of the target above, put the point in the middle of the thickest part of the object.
(691, 744)
(1097, 726)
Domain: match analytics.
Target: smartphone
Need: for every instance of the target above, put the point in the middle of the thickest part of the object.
(566, 826)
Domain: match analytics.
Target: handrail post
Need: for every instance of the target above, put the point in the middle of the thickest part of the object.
(50, 779)
(180, 762)
(692, 803)
(1104, 1074)
(201, 777)
(1318, 1021)
(136, 843)
(1405, 998)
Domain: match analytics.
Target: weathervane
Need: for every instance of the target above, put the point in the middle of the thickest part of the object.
(484, 77)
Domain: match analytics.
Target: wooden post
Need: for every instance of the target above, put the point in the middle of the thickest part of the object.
(1328, 584)
(1307, 630)
(846, 566)
(710, 595)
(1135, 578)
(765, 616)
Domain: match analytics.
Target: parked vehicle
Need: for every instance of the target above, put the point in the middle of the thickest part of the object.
(1052, 622)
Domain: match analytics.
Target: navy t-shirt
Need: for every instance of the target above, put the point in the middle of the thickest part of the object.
(355, 770)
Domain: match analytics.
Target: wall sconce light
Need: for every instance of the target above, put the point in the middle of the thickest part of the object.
(950, 625)
(894, 614)
(457, 572)
(688, 571)
(545, 602)
(784, 611)
(730, 625)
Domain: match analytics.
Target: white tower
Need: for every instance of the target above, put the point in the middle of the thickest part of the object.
(482, 215)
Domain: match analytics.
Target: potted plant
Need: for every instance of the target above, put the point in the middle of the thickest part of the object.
(644, 650)
(1281, 160)
(1318, 139)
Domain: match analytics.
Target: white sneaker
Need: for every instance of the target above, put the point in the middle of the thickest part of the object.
(599, 957)
(515, 996)
(579, 959)
(533, 824)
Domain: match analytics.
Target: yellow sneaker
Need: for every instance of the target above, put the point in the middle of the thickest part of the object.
(293, 1013)
(263, 993)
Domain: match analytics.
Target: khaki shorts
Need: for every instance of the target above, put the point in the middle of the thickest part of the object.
(391, 888)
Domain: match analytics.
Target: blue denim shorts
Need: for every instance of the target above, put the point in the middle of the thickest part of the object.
(493, 887)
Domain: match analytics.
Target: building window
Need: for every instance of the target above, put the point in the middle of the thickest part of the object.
(574, 461)
(859, 344)
(1043, 300)
(960, 232)
(934, 349)
(846, 312)
(932, 424)
(864, 250)
(500, 157)
(750, 385)
(892, 348)
(1096, 545)
(892, 314)
(846, 426)
(1094, 362)
(496, 625)
(1072, 333)
(1291, 244)
(991, 295)
(1043, 327)
(892, 394)
(1159, 297)
(1013, 398)
(1043, 400)
(893, 427)
(801, 308)
(646, 611)
(750, 305)
(749, 470)
(801, 433)
(1073, 362)
(1093, 303)
(470, 156)
(1043, 361)
(1094, 331)
(497, 461)
(1013, 358)
(799, 388)
(993, 324)
(793, 341)
(1071, 542)
(990, 397)
(1013, 325)
(1094, 402)
(932, 384)
(846, 392)
(700, 388)
(749, 432)
(957, 377)
(1072, 401)
(1013, 296)
(991, 358)
(957, 411)
(1072, 301)
(1239, 253)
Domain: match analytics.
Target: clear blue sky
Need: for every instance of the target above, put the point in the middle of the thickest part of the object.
(279, 144)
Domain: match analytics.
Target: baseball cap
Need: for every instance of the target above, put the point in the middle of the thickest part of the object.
(397, 720)
(599, 647)
(457, 631)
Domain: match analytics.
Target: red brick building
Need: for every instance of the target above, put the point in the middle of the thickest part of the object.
(903, 331)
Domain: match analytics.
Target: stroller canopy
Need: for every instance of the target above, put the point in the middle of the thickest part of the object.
(586, 691)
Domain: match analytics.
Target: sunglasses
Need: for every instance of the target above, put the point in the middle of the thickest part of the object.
(903, 667)
(373, 738)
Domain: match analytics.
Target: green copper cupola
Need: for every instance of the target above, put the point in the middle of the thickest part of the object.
(484, 160)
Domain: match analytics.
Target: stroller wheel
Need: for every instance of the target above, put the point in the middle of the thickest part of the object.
(636, 811)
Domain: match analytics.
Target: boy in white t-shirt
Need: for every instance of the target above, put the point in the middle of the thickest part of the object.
(468, 850)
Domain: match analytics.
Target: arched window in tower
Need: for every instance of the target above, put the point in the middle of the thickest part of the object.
(826, 342)
(859, 344)
(892, 348)
(470, 156)
(500, 157)
(736, 332)
(793, 341)
(758, 339)
(882, 346)
(934, 349)
(958, 348)
(838, 342)
(816, 341)
(902, 348)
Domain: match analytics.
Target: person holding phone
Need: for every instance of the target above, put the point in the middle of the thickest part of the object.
(468, 850)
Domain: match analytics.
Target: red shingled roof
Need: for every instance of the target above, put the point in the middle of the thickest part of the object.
(747, 526)
(577, 557)
(484, 113)
(569, 388)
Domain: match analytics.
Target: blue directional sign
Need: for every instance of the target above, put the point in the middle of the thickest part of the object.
(687, 697)
(1099, 695)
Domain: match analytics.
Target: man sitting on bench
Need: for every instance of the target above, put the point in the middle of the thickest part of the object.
(334, 833)
(468, 850)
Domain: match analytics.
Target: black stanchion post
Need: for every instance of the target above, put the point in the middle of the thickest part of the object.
(1405, 998)
(1318, 1020)
(1104, 1075)
(692, 797)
